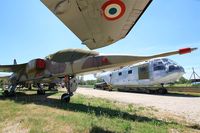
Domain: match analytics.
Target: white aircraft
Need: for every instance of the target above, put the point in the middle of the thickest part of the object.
(142, 75)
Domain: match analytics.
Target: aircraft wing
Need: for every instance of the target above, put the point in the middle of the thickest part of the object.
(4, 79)
(12, 68)
(108, 62)
(98, 23)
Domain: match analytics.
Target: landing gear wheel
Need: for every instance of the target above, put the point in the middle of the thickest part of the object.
(109, 89)
(6, 93)
(165, 91)
(162, 91)
(29, 87)
(41, 92)
(65, 98)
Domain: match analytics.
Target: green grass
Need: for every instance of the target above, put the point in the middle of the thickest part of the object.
(47, 114)
(185, 85)
(186, 94)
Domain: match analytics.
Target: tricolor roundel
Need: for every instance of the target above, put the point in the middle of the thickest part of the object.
(113, 9)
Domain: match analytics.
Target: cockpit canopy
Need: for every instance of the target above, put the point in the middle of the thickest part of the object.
(166, 65)
(158, 65)
(70, 55)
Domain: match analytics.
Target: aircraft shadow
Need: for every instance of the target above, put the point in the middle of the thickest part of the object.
(23, 98)
(96, 129)
(172, 94)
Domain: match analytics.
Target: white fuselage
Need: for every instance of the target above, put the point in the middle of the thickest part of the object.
(152, 72)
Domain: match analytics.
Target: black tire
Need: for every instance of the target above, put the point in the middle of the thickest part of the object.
(165, 91)
(147, 91)
(151, 92)
(65, 98)
(29, 88)
(41, 92)
(6, 93)
(162, 91)
(109, 89)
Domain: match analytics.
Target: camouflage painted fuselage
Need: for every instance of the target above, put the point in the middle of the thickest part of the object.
(73, 62)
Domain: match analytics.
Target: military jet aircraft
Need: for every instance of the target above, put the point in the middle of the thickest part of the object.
(68, 64)
(98, 23)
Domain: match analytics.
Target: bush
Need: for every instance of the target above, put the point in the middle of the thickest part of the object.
(91, 82)
(183, 80)
(1, 83)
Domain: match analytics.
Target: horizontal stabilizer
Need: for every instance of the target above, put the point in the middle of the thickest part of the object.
(12, 68)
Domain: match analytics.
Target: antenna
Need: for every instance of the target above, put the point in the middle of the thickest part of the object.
(15, 62)
(195, 76)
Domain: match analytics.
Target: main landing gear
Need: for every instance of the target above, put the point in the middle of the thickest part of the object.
(52, 87)
(40, 90)
(71, 86)
(162, 90)
(10, 92)
(6, 93)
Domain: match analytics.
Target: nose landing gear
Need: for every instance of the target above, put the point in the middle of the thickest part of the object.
(71, 86)
(66, 97)
(40, 90)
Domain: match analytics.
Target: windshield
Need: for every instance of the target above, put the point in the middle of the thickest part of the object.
(158, 65)
(166, 64)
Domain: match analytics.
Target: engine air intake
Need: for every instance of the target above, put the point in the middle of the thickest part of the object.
(40, 64)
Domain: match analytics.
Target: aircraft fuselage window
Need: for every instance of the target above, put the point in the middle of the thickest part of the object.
(174, 68)
(130, 72)
(120, 73)
(157, 68)
(165, 60)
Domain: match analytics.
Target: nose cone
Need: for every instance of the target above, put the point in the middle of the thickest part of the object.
(175, 72)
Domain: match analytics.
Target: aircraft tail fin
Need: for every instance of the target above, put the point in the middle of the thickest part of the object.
(15, 62)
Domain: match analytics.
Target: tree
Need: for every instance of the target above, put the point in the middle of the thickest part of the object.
(183, 80)
(91, 82)
(1, 83)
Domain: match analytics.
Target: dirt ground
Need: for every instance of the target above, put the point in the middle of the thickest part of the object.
(185, 106)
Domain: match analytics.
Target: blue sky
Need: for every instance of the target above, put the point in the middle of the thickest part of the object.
(29, 30)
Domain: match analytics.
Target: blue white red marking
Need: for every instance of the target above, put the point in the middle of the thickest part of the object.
(113, 9)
